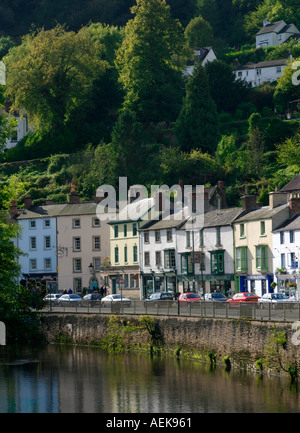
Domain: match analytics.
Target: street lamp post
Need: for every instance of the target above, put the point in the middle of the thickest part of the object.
(93, 273)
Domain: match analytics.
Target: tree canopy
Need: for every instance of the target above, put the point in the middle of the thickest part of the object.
(51, 72)
(149, 63)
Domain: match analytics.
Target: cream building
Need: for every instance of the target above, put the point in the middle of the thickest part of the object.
(253, 243)
(82, 241)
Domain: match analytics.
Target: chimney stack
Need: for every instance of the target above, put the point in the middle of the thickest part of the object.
(74, 198)
(27, 201)
(294, 204)
(13, 210)
(277, 198)
(249, 202)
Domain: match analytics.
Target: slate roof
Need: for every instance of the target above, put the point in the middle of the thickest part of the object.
(292, 223)
(293, 185)
(53, 210)
(266, 64)
(264, 212)
(269, 28)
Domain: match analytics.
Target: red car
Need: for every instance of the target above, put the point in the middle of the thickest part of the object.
(244, 297)
(189, 297)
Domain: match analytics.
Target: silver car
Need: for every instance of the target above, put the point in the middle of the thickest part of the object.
(110, 299)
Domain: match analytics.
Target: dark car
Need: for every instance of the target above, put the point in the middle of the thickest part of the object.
(159, 296)
(215, 296)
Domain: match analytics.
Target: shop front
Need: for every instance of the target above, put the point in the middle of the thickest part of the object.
(258, 283)
(158, 282)
(288, 284)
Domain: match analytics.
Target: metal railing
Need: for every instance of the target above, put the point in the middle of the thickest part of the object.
(287, 311)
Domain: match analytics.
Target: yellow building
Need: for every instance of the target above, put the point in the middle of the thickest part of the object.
(124, 248)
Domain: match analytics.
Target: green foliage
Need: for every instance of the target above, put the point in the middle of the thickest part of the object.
(197, 126)
(51, 72)
(149, 62)
(286, 90)
(199, 33)
(226, 91)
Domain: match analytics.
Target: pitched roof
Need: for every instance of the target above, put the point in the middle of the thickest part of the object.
(265, 64)
(293, 185)
(64, 209)
(292, 223)
(219, 217)
(268, 28)
(264, 212)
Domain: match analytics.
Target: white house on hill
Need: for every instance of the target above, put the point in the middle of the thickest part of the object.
(202, 55)
(272, 34)
(262, 72)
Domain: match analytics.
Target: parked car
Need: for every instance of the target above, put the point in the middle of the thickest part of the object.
(243, 297)
(215, 296)
(53, 297)
(92, 297)
(109, 299)
(275, 299)
(160, 296)
(69, 298)
(189, 297)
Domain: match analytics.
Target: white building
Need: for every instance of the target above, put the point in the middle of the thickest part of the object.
(202, 55)
(286, 255)
(37, 239)
(206, 255)
(19, 133)
(262, 72)
(272, 34)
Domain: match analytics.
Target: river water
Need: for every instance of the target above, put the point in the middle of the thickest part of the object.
(63, 379)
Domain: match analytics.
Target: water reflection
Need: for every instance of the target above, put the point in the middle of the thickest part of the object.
(82, 380)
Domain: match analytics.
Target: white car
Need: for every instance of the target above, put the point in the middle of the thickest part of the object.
(70, 298)
(53, 297)
(109, 299)
(275, 298)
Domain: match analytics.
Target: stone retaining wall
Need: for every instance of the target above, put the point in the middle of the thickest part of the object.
(246, 343)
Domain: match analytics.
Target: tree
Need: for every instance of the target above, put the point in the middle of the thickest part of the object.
(197, 124)
(288, 85)
(199, 33)
(7, 124)
(149, 63)
(288, 152)
(225, 89)
(51, 73)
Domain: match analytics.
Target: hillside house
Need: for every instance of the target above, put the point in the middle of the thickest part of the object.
(261, 72)
(202, 56)
(272, 34)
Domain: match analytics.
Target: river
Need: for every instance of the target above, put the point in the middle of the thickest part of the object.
(70, 379)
